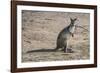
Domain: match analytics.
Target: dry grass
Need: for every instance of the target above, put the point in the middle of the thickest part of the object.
(40, 31)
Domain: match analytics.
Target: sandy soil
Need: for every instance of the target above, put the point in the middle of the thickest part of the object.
(40, 31)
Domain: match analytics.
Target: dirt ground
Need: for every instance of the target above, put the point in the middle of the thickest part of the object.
(40, 31)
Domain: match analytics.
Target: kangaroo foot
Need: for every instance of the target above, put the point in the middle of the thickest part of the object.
(68, 50)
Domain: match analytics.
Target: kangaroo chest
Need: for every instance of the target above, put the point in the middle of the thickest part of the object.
(72, 29)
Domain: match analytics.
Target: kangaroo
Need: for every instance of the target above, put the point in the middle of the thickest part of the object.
(64, 35)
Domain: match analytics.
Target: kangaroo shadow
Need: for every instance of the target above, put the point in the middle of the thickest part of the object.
(42, 50)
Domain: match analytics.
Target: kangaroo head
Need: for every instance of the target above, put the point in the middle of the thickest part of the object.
(73, 21)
